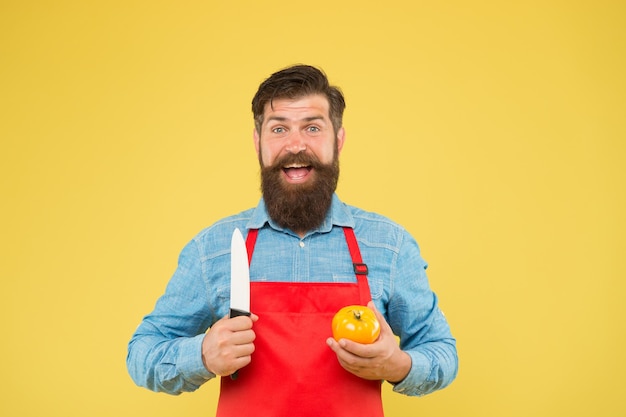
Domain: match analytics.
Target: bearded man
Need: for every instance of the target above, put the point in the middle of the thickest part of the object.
(311, 254)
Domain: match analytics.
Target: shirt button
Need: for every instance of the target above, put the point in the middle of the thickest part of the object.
(301, 244)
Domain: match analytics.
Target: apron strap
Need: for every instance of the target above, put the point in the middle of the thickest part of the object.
(360, 269)
(250, 242)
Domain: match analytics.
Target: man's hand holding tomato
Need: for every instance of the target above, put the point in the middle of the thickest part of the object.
(382, 359)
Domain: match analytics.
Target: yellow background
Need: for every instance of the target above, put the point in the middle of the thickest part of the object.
(494, 131)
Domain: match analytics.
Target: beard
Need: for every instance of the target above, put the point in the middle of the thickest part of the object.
(299, 207)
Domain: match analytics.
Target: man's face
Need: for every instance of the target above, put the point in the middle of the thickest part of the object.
(295, 126)
(298, 152)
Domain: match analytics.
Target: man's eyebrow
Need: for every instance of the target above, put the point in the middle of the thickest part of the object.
(277, 118)
(312, 118)
(305, 119)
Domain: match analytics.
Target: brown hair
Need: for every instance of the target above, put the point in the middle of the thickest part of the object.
(295, 82)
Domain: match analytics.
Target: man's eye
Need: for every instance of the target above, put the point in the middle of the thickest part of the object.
(313, 129)
(278, 130)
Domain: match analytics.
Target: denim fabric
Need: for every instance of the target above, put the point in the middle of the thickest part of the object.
(164, 354)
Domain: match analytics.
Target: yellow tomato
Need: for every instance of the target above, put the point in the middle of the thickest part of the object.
(357, 323)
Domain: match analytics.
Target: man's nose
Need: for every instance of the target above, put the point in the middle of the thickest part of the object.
(296, 142)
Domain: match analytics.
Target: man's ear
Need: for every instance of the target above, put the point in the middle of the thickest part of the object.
(256, 138)
(341, 138)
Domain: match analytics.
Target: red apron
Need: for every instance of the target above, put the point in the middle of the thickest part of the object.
(293, 372)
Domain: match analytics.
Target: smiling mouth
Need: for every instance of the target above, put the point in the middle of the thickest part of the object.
(297, 172)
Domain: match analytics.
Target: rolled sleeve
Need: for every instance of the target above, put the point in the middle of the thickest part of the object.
(190, 364)
(165, 352)
(429, 374)
(423, 330)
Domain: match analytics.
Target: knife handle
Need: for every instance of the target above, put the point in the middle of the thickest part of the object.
(236, 313)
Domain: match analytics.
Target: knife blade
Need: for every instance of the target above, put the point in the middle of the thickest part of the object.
(239, 279)
(239, 276)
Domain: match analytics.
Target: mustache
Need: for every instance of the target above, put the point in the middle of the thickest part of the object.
(300, 158)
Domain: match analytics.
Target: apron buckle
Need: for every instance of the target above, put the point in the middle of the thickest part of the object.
(360, 268)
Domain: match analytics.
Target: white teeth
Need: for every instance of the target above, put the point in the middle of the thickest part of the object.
(295, 166)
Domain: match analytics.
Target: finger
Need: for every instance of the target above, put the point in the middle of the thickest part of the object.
(333, 344)
(384, 326)
(356, 349)
(338, 348)
(243, 337)
(242, 350)
(343, 356)
(241, 323)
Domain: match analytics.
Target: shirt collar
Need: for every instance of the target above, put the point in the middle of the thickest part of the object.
(338, 215)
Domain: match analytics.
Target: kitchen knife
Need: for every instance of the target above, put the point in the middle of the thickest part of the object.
(239, 276)
(239, 279)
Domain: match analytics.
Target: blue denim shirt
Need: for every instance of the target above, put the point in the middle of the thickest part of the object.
(165, 353)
